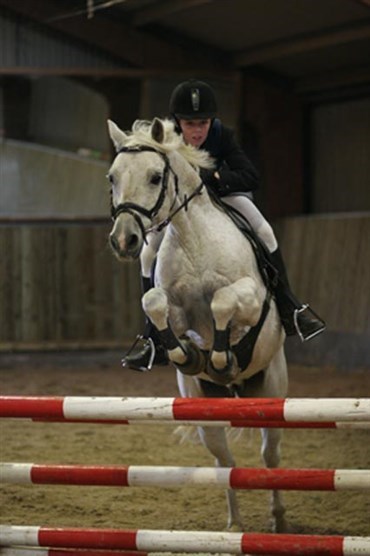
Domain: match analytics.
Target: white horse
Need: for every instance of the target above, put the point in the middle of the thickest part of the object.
(208, 289)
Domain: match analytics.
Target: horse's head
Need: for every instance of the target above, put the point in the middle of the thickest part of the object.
(139, 178)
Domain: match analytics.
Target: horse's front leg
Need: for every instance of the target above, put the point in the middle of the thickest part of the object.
(240, 301)
(185, 355)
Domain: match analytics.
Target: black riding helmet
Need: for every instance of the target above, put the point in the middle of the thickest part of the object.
(193, 99)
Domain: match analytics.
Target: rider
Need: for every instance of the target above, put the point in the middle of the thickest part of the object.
(193, 108)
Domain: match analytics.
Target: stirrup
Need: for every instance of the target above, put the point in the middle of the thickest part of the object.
(296, 313)
(148, 341)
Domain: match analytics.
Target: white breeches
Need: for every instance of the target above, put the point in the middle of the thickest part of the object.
(242, 204)
(247, 208)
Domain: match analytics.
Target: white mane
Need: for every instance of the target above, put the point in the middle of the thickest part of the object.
(172, 141)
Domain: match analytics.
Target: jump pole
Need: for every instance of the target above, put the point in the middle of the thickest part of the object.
(184, 541)
(167, 476)
(17, 551)
(234, 423)
(173, 409)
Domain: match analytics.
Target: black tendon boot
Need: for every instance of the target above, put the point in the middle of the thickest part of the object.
(295, 317)
(152, 351)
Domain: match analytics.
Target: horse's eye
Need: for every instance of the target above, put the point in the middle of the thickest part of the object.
(110, 178)
(156, 179)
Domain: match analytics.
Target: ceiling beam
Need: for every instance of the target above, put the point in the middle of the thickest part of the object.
(102, 73)
(333, 80)
(162, 9)
(134, 47)
(307, 43)
(363, 2)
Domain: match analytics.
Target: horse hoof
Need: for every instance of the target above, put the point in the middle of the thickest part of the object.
(196, 361)
(224, 376)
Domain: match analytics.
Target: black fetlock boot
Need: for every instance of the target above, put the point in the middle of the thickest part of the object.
(152, 351)
(296, 318)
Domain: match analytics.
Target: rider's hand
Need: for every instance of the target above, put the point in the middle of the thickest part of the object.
(212, 179)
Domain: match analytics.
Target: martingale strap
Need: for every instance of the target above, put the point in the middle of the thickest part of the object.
(244, 348)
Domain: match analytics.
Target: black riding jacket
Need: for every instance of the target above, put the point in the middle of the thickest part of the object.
(236, 171)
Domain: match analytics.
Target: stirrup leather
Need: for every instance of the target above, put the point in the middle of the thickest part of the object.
(296, 313)
(147, 341)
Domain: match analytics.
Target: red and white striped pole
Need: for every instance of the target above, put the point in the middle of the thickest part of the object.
(18, 551)
(188, 409)
(185, 541)
(242, 423)
(167, 476)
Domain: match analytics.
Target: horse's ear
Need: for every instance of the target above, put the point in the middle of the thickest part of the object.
(157, 130)
(117, 135)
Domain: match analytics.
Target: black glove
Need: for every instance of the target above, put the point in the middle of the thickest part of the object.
(210, 180)
(208, 177)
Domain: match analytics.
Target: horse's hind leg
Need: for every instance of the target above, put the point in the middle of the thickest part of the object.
(214, 440)
(275, 384)
(271, 456)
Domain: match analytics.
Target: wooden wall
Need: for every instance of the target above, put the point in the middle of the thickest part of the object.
(61, 287)
(340, 140)
(328, 259)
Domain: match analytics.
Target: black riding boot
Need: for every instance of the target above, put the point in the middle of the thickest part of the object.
(295, 317)
(152, 352)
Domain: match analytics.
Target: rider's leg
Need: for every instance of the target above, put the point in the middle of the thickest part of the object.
(140, 359)
(293, 314)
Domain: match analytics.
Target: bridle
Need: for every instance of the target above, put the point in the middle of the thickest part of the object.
(136, 210)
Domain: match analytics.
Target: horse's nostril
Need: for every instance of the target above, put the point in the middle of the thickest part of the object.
(132, 241)
(114, 242)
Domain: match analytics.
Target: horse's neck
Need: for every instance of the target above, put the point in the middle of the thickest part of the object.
(200, 214)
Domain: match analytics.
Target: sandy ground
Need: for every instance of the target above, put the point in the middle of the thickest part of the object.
(187, 508)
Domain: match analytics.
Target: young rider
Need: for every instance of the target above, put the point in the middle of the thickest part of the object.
(193, 108)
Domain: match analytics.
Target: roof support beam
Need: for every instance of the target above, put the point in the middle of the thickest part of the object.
(308, 43)
(333, 80)
(102, 73)
(162, 9)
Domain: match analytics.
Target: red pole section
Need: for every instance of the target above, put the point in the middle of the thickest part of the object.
(26, 407)
(111, 539)
(259, 409)
(92, 475)
(282, 479)
(289, 545)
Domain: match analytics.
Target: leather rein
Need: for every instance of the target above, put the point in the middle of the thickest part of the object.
(136, 210)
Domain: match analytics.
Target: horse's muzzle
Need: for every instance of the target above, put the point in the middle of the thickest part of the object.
(125, 241)
(132, 251)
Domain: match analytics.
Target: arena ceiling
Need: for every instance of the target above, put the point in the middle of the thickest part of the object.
(310, 43)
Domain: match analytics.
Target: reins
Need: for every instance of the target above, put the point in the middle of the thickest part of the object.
(133, 208)
(184, 204)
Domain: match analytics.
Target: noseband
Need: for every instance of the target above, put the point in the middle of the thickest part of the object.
(133, 209)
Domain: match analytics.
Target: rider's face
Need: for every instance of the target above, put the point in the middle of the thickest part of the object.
(195, 131)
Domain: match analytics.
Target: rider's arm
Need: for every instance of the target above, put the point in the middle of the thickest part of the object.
(236, 171)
